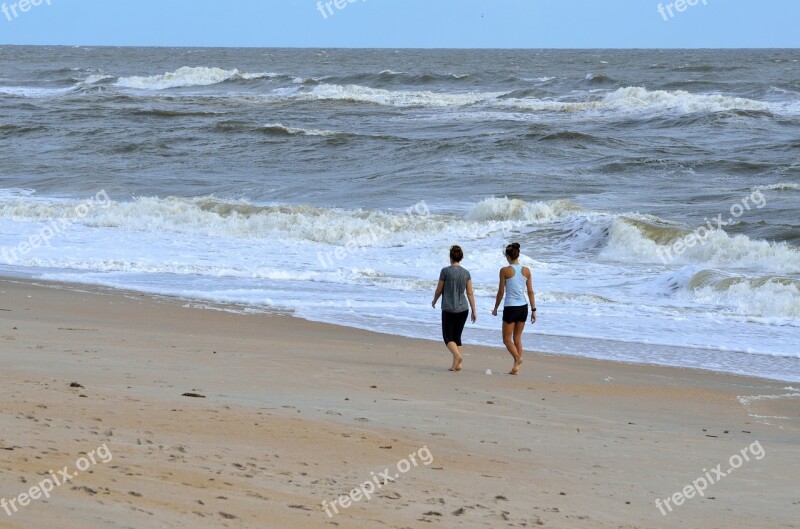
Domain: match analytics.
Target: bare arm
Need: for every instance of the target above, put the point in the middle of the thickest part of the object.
(501, 291)
(438, 293)
(471, 298)
(531, 295)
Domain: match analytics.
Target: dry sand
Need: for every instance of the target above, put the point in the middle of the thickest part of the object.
(296, 413)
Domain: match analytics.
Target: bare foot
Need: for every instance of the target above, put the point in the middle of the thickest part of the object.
(457, 364)
(515, 369)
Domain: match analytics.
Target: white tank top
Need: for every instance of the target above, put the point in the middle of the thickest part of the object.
(516, 288)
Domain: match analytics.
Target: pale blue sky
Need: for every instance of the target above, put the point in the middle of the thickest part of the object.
(405, 23)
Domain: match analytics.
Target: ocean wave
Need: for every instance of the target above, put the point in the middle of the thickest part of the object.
(762, 297)
(632, 237)
(281, 129)
(629, 240)
(505, 209)
(34, 92)
(212, 217)
(97, 78)
(188, 76)
(632, 99)
(636, 97)
(10, 129)
(538, 79)
(599, 79)
(389, 78)
(568, 136)
(629, 100)
(397, 98)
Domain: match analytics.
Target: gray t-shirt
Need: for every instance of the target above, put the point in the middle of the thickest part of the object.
(454, 297)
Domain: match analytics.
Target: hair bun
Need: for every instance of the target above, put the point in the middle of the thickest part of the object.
(512, 250)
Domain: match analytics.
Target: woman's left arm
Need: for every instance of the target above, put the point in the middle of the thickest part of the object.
(471, 298)
(531, 295)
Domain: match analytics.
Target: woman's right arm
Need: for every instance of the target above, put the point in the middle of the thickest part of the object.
(438, 293)
(501, 291)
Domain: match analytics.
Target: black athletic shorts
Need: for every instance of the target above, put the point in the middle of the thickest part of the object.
(453, 325)
(515, 314)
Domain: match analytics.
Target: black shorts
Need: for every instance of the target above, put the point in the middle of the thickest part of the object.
(453, 325)
(515, 314)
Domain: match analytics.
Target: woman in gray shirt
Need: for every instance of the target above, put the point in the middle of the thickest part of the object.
(454, 282)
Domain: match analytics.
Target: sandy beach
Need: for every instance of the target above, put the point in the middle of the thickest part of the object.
(294, 413)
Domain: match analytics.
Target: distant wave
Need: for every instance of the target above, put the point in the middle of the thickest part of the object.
(706, 68)
(279, 128)
(600, 79)
(389, 77)
(632, 99)
(10, 129)
(355, 89)
(538, 79)
(187, 76)
(779, 187)
(34, 92)
(567, 135)
(97, 78)
(398, 98)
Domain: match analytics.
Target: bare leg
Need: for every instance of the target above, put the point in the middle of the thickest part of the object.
(518, 328)
(457, 358)
(508, 341)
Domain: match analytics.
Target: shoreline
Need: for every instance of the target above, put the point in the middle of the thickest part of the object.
(295, 413)
(242, 309)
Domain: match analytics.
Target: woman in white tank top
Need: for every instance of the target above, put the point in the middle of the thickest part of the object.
(515, 281)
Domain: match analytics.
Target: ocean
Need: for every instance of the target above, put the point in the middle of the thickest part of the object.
(655, 193)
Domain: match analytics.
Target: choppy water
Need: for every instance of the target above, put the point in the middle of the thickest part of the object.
(332, 182)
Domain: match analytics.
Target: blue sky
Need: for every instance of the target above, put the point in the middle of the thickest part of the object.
(405, 23)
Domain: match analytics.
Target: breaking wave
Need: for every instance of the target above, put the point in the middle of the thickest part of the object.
(187, 76)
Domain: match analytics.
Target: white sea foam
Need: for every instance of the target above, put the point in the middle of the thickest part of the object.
(187, 76)
(746, 400)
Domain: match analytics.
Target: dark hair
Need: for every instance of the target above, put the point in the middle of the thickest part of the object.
(456, 253)
(512, 251)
